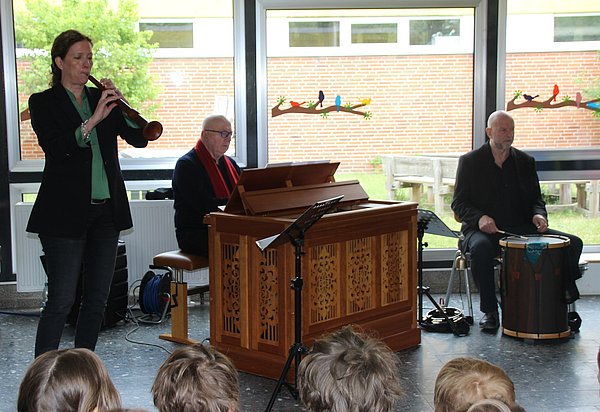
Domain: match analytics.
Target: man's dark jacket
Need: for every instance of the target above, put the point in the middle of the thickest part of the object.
(475, 196)
(193, 193)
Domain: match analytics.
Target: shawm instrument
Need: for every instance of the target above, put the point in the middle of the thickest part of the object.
(358, 266)
(151, 131)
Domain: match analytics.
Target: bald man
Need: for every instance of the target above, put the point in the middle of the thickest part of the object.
(497, 188)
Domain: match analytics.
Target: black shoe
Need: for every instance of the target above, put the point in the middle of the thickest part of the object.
(490, 321)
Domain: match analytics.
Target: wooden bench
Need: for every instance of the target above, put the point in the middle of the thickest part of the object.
(437, 173)
(564, 193)
(179, 262)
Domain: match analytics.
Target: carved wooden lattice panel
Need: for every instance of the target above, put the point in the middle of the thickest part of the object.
(269, 297)
(324, 283)
(231, 288)
(359, 275)
(394, 270)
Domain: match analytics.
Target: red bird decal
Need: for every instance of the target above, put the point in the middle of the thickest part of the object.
(555, 92)
(296, 104)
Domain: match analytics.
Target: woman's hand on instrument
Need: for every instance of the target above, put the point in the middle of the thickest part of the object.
(107, 102)
(487, 225)
(540, 223)
(109, 85)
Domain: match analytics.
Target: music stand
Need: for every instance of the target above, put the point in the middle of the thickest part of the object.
(429, 222)
(294, 233)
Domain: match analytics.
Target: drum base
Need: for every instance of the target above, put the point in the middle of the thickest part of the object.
(525, 335)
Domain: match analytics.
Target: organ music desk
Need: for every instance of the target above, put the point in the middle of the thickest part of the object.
(358, 267)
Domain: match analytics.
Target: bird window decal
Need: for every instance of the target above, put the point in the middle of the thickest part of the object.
(529, 100)
(316, 107)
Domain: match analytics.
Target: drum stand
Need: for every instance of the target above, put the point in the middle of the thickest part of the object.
(294, 233)
(428, 222)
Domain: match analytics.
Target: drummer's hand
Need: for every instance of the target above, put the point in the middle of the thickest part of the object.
(487, 224)
(540, 223)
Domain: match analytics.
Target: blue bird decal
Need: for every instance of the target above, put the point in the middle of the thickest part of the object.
(338, 102)
(594, 105)
(529, 98)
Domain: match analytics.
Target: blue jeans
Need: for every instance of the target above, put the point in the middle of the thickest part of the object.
(92, 257)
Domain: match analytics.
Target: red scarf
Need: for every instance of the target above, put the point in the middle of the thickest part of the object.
(214, 173)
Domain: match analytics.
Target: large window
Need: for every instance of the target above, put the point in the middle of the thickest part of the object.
(189, 65)
(401, 102)
(389, 86)
(557, 63)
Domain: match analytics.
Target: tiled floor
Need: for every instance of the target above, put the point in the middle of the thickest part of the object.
(549, 376)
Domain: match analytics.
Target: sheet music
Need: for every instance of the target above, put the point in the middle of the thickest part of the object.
(265, 242)
(300, 225)
(435, 225)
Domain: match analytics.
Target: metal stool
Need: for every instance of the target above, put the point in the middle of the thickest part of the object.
(461, 264)
(179, 262)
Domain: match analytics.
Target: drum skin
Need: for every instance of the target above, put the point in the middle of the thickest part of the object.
(532, 287)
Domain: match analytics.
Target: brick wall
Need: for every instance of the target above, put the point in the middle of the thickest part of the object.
(419, 104)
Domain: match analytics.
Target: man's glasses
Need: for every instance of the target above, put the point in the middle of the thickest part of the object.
(223, 133)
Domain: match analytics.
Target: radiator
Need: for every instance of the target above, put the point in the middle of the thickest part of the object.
(153, 232)
(30, 274)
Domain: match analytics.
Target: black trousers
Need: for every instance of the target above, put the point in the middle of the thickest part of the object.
(193, 241)
(96, 252)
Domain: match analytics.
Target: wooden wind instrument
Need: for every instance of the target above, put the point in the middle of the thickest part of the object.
(151, 130)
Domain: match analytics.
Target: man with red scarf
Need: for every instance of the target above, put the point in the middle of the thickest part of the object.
(203, 180)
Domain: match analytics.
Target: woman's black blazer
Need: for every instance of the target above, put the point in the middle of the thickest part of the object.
(63, 201)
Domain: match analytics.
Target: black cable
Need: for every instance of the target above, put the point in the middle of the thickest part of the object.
(131, 317)
(137, 326)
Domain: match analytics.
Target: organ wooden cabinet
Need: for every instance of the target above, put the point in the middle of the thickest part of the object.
(358, 266)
